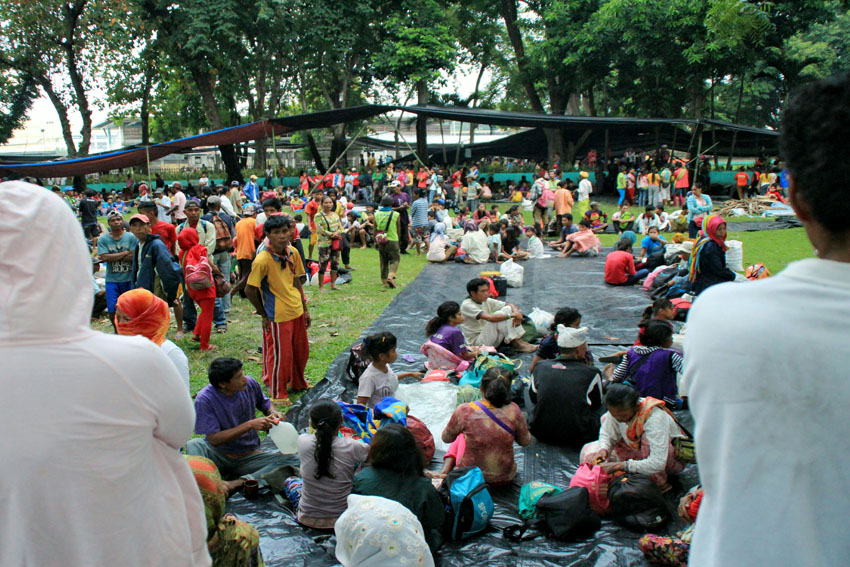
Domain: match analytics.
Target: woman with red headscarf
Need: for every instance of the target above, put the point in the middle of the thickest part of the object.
(707, 265)
(191, 253)
(139, 312)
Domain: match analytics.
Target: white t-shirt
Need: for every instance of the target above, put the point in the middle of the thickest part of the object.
(472, 325)
(176, 355)
(767, 367)
(377, 385)
(585, 188)
(163, 204)
(437, 249)
(474, 243)
(535, 248)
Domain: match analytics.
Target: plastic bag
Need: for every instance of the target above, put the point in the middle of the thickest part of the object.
(513, 272)
(527, 205)
(735, 255)
(542, 320)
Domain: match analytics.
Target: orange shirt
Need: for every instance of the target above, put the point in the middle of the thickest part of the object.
(245, 246)
(742, 179)
(563, 201)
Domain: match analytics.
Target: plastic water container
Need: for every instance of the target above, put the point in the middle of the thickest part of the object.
(285, 437)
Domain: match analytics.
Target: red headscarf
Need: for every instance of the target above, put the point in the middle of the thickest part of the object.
(148, 315)
(190, 249)
(709, 227)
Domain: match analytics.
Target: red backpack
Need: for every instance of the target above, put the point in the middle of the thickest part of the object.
(223, 238)
(199, 276)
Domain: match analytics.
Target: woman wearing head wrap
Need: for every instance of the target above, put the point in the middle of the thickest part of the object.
(585, 188)
(191, 254)
(377, 532)
(707, 265)
(139, 312)
(231, 543)
(441, 248)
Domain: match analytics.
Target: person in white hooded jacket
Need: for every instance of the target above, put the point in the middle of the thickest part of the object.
(92, 424)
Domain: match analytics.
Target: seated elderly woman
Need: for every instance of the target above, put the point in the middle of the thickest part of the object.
(139, 312)
(636, 436)
(707, 266)
(474, 243)
(441, 249)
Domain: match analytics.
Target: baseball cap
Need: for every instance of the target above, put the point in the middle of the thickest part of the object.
(140, 218)
(114, 214)
(441, 201)
(148, 205)
(214, 200)
(234, 184)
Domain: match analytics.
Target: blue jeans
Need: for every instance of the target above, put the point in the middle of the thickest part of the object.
(223, 260)
(641, 196)
(113, 290)
(622, 193)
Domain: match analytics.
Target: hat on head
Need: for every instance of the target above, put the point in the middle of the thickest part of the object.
(249, 209)
(140, 218)
(441, 201)
(143, 186)
(253, 178)
(95, 260)
(569, 337)
(158, 190)
(115, 214)
(214, 200)
(687, 247)
(395, 184)
(234, 184)
(191, 203)
(147, 205)
(584, 175)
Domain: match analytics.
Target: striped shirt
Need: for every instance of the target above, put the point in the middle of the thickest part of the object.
(419, 212)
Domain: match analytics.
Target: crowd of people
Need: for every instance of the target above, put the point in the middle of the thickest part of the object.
(94, 424)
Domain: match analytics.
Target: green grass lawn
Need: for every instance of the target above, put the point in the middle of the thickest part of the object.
(340, 317)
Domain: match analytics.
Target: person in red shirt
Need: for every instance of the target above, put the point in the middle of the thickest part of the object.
(620, 265)
(422, 178)
(165, 230)
(311, 209)
(742, 179)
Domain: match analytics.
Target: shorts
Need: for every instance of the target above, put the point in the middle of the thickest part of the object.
(92, 230)
(314, 237)
(328, 255)
(420, 234)
(113, 290)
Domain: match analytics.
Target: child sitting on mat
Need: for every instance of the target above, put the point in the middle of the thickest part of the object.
(378, 380)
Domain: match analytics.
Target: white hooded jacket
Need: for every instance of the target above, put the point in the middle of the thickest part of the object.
(90, 468)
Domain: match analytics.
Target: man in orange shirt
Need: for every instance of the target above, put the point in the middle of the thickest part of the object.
(742, 180)
(246, 246)
(563, 201)
(311, 209)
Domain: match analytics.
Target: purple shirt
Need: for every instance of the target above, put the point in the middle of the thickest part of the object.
(399, 200)
(451, 339)
(217, 412)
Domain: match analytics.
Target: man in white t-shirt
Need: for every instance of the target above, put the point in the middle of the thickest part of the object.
(490, 322)
(163, 205)
(767, 367)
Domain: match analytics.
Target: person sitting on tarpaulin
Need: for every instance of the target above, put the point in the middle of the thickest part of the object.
(566, 393)
(490, 322)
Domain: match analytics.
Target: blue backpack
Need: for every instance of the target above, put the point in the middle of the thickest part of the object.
(469, 505)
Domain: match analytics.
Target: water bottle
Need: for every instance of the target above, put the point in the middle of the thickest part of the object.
(285, 437)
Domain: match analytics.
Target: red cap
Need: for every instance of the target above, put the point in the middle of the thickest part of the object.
(142, 218)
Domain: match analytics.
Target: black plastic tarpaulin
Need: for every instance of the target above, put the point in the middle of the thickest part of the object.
(612, 314)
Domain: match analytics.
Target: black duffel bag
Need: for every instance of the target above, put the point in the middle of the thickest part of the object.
(565, 516)
(637, 503)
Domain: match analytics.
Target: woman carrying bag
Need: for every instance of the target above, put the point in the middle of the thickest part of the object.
(386, 240)
(330, 241)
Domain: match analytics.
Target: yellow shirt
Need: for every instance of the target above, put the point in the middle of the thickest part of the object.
(281, 299)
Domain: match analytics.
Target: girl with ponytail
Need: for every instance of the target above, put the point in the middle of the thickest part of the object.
(328, 463)
(660, 310)
(443, 330)
(489, 427)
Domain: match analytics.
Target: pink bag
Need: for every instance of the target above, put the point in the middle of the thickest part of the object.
(595, 480)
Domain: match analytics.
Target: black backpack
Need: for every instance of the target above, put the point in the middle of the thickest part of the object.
(663, 277)
(358, 360)
(637, 503)
(654, 260)
(567, 515)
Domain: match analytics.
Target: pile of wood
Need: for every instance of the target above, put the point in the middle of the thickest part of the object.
(754, 207)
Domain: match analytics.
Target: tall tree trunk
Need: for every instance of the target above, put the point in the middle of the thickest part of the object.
(509, 13)
(314, 151)
(337, 144)
(144, 111)
(475, 101)
(737, 121)
(422, 122)
(204, 84)
(73, 11)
